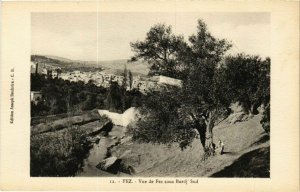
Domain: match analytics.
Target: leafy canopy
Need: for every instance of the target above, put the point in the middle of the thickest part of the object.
(246, 79)
(160, 49)
(210, 84)
(172, 114)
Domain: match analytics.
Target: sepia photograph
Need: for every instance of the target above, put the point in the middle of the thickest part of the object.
(152, 94)
(149, 96)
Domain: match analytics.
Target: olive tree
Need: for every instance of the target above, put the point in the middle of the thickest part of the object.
(247, 80)
(160, 49)
(173, 114)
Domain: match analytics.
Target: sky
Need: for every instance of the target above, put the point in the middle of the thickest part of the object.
(107, 36)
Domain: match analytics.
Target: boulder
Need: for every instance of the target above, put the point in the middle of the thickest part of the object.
(115, 165)
(125, 139)
(114, 137)
(94, 139)
(106, 163)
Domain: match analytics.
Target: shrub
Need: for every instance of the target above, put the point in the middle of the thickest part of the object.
(265, 121)
(58, 153)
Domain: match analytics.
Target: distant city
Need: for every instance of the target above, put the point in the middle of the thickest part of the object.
(102, 78)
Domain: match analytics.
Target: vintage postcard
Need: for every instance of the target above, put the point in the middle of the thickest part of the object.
(150, 96)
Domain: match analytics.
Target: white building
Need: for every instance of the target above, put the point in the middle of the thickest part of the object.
(35, 96)
(167, 80)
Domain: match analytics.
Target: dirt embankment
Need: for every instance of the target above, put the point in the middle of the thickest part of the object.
(66, 122)
(240, 139)
(255, 163)
(59, 147)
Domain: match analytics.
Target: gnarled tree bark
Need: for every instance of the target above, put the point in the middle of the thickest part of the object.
(205, 128)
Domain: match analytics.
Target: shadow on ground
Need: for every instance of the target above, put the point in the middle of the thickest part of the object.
(255, 163)
(229, 153)
(264, 138)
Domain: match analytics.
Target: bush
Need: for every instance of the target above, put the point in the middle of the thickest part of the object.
(265, 121)
(58, 153)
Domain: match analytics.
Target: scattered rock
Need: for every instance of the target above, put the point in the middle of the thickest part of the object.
(237, 117)
(125, 139)
(130, 143)
(106, 163)
(127, 169)
(245, 118)
(94, 139)
(115, 165)
(104, 133)
(125, 153)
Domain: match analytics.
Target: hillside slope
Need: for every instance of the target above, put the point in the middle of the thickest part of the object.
(240, 138)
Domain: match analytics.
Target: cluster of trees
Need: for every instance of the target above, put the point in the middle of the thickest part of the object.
(60, 96)
(211, 82)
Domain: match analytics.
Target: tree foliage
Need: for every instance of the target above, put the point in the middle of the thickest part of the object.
(205, 46)
(173, 114)
(247, 80)
(60, 96)
(160, 49)
(209, 87)
(265, 121)
(162, 120)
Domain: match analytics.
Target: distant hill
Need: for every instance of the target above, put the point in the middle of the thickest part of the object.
(65, 64)
(138, 67)
(59, 58)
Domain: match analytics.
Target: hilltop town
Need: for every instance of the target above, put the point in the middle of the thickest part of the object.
(102, 77)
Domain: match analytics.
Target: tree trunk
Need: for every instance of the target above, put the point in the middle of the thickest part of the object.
(206, 136)
(201, 128)
(209, 147)
(251, 111)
